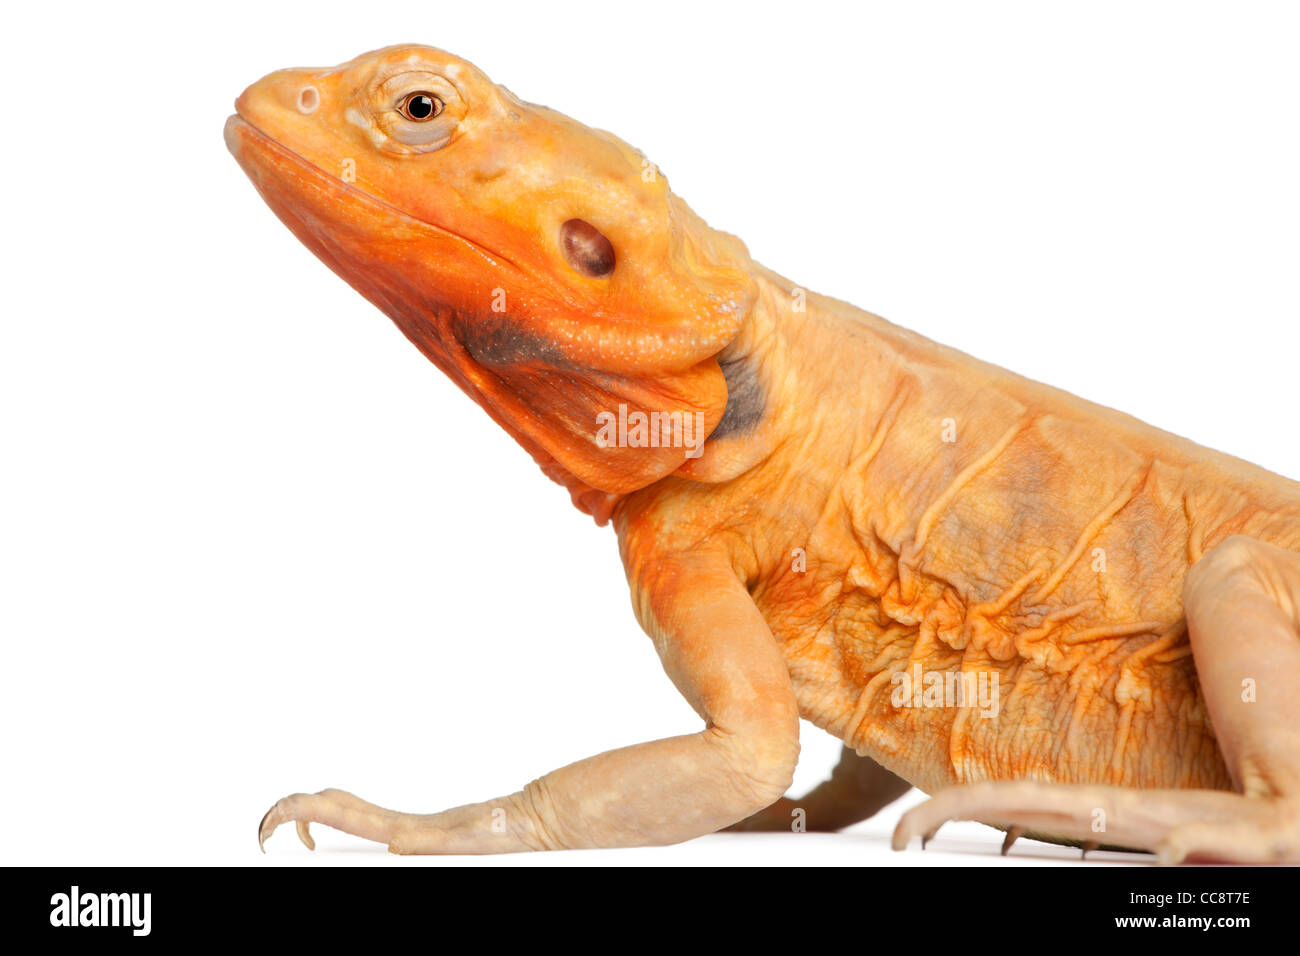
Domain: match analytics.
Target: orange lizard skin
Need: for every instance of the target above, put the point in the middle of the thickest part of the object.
(868, 504)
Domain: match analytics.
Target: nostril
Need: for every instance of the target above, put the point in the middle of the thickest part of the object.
(586, 248)
(308, 100)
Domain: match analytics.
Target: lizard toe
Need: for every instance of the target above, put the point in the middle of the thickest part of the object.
(1271, 834)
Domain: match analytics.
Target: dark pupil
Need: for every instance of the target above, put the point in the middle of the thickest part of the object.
(420, 106)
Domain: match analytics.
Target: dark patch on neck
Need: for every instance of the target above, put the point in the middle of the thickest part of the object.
(745, 399)
(499, 341)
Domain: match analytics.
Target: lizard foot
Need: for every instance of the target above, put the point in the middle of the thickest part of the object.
(474, 828)
(333, 808)
(1176, 825)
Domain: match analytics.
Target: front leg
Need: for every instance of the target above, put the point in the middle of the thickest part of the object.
(716, 647)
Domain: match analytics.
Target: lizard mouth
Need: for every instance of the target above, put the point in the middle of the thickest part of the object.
(346, 227)
(239, 132)
(240, 135)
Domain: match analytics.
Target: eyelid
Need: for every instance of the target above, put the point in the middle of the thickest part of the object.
(397, 87)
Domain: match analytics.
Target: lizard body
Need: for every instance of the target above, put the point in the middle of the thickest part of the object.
(975, 553)
(873, 517)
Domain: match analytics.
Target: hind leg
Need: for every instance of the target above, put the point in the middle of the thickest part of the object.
(857, 789)
(1242, 602)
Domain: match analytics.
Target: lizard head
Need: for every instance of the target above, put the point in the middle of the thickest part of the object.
(543, 265)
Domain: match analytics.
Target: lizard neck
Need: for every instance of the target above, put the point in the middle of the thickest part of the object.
(753, 364)
(797, 351)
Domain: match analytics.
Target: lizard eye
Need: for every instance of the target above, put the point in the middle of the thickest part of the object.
(421, 107)
(417, 111)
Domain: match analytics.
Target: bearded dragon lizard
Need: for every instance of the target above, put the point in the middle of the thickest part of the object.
(1040, 611)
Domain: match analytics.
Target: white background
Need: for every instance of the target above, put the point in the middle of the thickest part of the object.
(253, 543)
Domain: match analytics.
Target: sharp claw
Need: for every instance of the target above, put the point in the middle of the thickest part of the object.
(304, 834)
(1013, 834)
(1087, 845)
(261, 830)
(927, 837)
